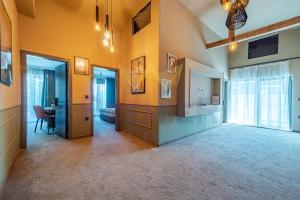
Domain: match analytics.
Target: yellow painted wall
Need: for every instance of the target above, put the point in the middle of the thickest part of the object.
(182, 34)
(144, 43)
(67, 29)
(11, 96)
(10, 99)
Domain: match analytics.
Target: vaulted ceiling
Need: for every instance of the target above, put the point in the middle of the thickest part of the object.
(260, 13)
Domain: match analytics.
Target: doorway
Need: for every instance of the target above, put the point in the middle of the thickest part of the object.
(105, 95)
(44, 97)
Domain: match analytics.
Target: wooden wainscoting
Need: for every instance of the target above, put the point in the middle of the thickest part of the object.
(81, 121)
(10, 130)
(140, 121)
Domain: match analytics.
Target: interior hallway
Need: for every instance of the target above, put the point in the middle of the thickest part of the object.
(229, 162)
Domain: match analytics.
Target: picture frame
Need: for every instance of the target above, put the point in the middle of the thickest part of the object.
(166, 89)
(138, 78)
(81, 65)
(6, 71)
(172, 63)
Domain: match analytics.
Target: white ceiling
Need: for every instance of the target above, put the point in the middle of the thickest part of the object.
(260, 13)
(42, 63)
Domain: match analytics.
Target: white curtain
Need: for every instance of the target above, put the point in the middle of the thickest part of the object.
(35, 79)
(260, 95)
(99, 95)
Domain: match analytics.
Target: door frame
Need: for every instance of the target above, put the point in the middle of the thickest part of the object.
(23, 62)
(117, 112)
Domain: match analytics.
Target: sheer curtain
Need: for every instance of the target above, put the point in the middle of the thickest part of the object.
(260, 95)
(35, 81)
(99, 95)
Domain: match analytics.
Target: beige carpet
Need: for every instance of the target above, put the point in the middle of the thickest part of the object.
(229, 162)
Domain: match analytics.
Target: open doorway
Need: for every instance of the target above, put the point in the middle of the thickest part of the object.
(44, 98)
(104, 100)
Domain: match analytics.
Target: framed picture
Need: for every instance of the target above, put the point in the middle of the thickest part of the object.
(166, 89)
(138, 75)
(81, 66)
(172, 63)
(6, 75)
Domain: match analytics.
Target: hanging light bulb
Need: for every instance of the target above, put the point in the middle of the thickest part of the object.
(226, 4)
(107, 34)
(112, 49)
(233, 46)
(97, 25)
(105, 42)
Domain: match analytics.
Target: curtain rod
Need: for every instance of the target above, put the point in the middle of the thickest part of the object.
(293, 58)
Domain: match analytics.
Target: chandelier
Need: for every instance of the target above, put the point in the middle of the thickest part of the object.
(237, 16)
(108, 37)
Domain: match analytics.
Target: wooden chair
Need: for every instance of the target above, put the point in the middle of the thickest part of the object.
(41, 114)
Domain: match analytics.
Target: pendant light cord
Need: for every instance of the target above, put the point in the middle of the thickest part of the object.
(111, 15)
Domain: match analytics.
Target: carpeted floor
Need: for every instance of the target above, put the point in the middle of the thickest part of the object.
(229, 162)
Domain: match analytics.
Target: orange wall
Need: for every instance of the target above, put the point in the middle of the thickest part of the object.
(144, 43)
(11, 96)
(63, 30)
(68, 31)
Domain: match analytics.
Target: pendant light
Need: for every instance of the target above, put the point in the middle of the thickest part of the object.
(237, 16)
(97, 25)
(107, 34)
(232, 46)
(244, 3)
(112, 48)
(226, 4)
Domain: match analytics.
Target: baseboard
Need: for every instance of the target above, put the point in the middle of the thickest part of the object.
(186, 136)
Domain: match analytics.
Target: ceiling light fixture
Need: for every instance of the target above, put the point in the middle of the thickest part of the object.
(108, 33)
(244, 3)
(105, 42)
(112, 48)
(233, 46)
(97, 25)
(237, 16)
(226, 4)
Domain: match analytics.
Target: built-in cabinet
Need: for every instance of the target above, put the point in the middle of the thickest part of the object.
(199, 89)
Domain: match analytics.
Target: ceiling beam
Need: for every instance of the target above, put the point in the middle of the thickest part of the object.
(280, 26)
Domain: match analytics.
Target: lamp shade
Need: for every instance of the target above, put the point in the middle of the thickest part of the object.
(244, 3)
(237, 16)
(226, 4)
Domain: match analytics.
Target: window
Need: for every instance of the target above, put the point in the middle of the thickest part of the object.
(261, 96)
(263, 47)
(35, 81)
(142, 19)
